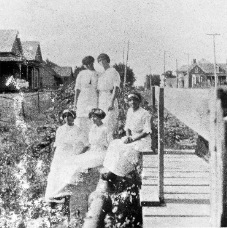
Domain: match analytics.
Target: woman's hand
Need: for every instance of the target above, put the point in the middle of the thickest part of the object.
(129, 139)
(111, 107)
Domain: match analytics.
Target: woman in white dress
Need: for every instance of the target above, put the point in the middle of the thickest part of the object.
(69, 142)
(95, 151)
(108, 88)
(122, 154)
(86, 94)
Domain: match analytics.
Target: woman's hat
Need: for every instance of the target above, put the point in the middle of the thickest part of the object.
(103, 56)
(135, 95)
(68, 112)
(97, 112)
(88, 60)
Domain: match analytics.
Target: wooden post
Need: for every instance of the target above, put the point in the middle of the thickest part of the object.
(20, 70)
(161, 144)
(216, 146)
(153, 135)
(38, 101)
(27, 73)
(222, 95)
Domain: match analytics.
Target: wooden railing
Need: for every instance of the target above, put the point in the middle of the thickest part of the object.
(203, 111)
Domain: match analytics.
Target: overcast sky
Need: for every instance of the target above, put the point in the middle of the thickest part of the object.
(68, 30)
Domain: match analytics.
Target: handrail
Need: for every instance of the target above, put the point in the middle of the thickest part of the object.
(202, 111)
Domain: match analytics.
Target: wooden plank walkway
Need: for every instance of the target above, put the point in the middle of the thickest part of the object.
(186, 191)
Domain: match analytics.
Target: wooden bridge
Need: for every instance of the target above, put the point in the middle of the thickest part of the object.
(180, 189)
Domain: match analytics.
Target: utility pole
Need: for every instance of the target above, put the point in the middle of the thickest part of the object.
(215, 70)
(177, 72)
(123, 55)
(126, 65)
(188, 71)
(150, 76)
(164, 62)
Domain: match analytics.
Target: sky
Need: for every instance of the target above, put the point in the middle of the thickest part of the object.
(69, 30)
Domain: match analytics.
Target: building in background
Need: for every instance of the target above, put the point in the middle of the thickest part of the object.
(33, 57)
(49, 78)
(11, 58)
(23, 60)
(65, 72)
(201, 74)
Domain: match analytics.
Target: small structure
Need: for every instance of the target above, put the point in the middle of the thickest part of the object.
(33, 57)
(201, 74)
(49, 79)
(65, 72)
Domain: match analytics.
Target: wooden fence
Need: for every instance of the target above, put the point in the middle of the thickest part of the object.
(203, 111)
(33, 104)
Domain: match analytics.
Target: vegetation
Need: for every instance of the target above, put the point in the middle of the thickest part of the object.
(26, 155)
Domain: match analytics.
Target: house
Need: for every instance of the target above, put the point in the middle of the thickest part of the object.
(49, 78)
(65, 72)
(33, 57)
(201, 74)
(12, 61)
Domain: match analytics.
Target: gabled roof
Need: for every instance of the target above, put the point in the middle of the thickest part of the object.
(7, 39)
(49, 69)
(206, 66)
(63, 71)
(184, 68)
(32, 50)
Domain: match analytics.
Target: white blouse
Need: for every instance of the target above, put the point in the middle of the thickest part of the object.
(86, 79)
(69, 137)
(109, 79)
(98, 137)
(138, 121)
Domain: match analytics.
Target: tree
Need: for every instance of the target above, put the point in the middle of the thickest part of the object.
(130, 76)
(169, 74)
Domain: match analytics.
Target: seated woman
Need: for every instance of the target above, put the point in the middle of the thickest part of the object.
(69, 142)
(122, 154)
(70, 160)
(95, 152)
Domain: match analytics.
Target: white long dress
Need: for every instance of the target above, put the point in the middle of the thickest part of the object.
(106, 83)
(68, 165)
(94, 157)
(121, 158)
(69, 143)
(86, 82)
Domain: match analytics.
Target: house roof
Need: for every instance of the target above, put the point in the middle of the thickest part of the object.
(7, 39)
(63, 71)
(50, 70)
(184, 68)
(31, 50)
(206, 66)
(10, 59)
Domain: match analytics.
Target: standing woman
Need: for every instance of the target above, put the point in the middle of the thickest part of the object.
(108, 88)
(86, 94)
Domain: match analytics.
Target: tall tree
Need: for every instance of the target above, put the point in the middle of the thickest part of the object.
(130, 76)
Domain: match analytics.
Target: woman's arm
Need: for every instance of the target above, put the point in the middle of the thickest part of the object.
(131, 139)
(114, 96)
(77, 93)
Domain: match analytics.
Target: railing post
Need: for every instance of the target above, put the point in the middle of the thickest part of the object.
(216, 147)
(153, 135)
(161, 145)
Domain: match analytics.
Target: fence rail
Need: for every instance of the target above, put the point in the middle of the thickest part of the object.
(32, 104)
